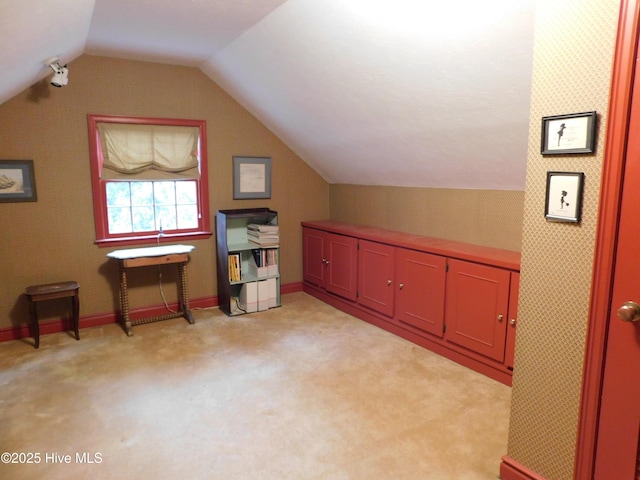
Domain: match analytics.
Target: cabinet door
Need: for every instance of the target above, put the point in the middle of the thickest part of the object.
(420, 279)
(513, 320)
(376, 286)
(313, 261)
(341, 263)
(476, 307)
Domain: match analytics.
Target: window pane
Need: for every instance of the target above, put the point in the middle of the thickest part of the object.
(118, 194)
(119, 220)
(186, 192)
(187, 216)
(166, 215)
(143, 220)
(164, 193)
(142, 193)
(147, 206)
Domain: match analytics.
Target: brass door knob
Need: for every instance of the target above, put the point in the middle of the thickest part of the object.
(629, 312)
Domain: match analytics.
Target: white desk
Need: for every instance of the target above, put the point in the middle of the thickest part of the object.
(142, 257)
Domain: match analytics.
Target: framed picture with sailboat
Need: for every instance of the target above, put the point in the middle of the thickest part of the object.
(17, 181)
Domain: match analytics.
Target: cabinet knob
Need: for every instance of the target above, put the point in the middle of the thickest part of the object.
(388, 282)
(401, 285)
(500, 318)
(512, 321)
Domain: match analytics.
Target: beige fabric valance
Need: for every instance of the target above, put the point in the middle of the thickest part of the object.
(144, 151)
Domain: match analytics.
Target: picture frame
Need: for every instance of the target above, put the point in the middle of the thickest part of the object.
(251, 177)
(563, 201)
(573, 133)
(17, 181)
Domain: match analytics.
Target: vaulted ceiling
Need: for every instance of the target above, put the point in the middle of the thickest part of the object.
(423, 93)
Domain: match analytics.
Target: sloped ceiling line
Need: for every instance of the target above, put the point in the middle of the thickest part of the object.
(404, 92)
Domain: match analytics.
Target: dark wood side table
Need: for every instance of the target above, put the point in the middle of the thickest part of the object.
(149, 256)
(38, 293)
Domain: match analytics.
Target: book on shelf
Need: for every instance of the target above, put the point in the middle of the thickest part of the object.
(263, 234)
(264, 257)
(257, 256)
(264, 242)
(256, 227)
(235, 267)
(253, 233)
(264, 263)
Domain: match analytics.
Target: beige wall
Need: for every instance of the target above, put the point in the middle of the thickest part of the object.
(53, 238)
(574, 46)
(484, 217)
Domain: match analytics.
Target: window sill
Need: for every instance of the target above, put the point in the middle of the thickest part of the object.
(152, 239)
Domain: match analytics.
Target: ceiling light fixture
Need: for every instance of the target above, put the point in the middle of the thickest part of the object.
(60, 73)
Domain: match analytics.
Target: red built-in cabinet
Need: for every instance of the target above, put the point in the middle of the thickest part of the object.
(513, 320)
(421, 286)
(456, 299)
(476, 308)
(405, 285)
(331, 262)
(376, 288)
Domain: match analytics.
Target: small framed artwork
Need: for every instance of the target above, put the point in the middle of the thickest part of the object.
(17, 181)
(251, 177)
(574, 133)
(564, 197)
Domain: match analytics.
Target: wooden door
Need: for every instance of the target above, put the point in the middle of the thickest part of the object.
(619, 422)
(313, 261)
(341, 263)
(476, 307)
(510, 349)
(376, 264)
(420, 287)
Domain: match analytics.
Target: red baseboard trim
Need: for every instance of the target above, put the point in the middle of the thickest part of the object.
(512, 470)
(291, 288)
(447, 351)
(97, 320)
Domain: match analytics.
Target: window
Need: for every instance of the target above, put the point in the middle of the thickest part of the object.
(149, 178)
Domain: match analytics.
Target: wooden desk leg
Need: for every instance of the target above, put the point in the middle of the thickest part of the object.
(34, 321)
(183, 293)
(124, 301)
(76, 314)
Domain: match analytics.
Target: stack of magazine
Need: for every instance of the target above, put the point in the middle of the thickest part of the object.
(263, 235)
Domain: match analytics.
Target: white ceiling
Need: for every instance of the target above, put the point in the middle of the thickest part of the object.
(426, 93)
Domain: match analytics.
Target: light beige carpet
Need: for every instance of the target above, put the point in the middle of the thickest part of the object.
(298, 392)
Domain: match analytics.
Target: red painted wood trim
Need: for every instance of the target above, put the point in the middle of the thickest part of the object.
(496, 257)
(499, 372)
(88, 321)
(103, 237)
(608, 221)
(291, 288)
(512, 470)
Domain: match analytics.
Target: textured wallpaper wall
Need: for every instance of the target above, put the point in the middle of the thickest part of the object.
(573, 54)
(492, 218)
(53, 239)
